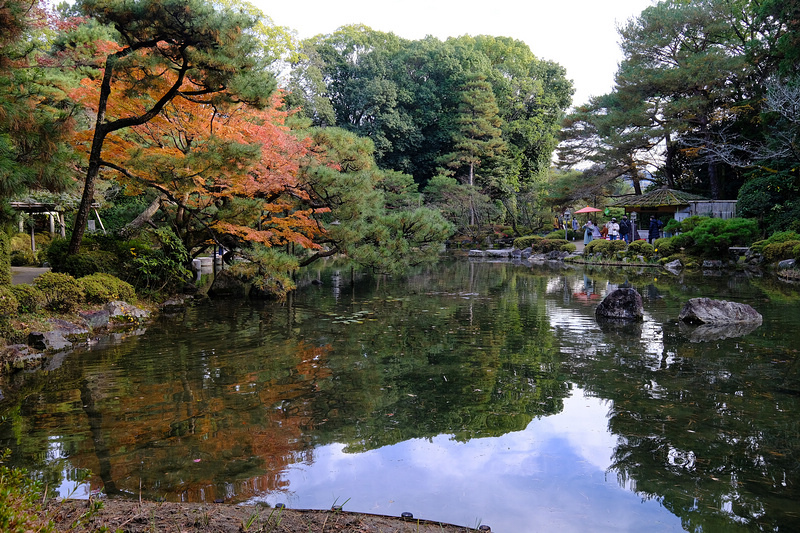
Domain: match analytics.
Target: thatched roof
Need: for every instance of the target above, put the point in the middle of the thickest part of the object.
(659, 197)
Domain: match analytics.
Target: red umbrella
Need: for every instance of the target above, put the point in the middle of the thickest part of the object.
(588, 209)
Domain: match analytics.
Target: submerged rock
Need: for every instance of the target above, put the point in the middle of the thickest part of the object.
(621, 304)
(708, 311)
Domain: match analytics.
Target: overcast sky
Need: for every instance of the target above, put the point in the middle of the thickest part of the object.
(579, 34)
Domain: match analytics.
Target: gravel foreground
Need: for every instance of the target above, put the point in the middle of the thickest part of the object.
(139, 517)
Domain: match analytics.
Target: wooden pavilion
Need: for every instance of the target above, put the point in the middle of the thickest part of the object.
(678, 204)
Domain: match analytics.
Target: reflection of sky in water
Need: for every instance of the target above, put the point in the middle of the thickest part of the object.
(69, 487)
(551, 476)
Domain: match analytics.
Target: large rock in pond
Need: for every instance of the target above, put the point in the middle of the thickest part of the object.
(708, 311)
(226, 285)
(621, 304)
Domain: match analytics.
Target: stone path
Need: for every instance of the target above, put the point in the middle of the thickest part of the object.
(20, 275)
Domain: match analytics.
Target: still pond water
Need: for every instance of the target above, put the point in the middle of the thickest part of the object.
(470, 392)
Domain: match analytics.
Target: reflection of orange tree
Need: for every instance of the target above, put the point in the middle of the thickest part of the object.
(181, 443)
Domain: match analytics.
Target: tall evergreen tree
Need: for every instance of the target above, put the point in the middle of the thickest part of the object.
(478, 134)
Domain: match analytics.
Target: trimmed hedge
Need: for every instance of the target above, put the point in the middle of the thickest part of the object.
(643, 248)
(103, 288)
(520, 243)
(5, 260)
(9, 305)
(604, 247)
(29, 297)
(61, 292)
(543, 246)
(559, 234)
(778, 251)
(777, 237)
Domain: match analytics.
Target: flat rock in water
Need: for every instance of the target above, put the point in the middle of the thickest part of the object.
(621, 304)
(708, 311)
(49, 341)
(118, 308)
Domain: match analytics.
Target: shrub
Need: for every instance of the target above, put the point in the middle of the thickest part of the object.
(29, 297)
(713, 236)
(667, 246)
(569, 247)
(56, 254)
(597, 246)
(778, 251)
(688, 224)
(23, 258)
(163, 266)
(520, 243)
(604, 247)
(87, 263)
(5, 260)
(9, 305)
(673, 226)
(777, 237)
(543, 246)
(60, 292)
(102, 288)
(643, 248)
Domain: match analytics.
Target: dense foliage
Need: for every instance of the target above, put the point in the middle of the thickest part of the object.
(705, 101)
(61, 292)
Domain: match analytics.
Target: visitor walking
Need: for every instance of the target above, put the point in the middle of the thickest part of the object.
(654, 231)
(588, 233)
(625, 229)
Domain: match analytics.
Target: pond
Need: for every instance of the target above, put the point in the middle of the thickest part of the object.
(470, 392)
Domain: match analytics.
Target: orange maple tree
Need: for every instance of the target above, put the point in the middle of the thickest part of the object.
(228, 173)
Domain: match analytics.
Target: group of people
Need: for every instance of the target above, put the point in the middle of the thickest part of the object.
(622, 230)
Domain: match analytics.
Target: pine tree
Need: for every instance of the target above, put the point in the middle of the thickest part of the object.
(478, 134)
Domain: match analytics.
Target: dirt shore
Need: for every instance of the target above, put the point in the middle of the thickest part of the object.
(140, 517)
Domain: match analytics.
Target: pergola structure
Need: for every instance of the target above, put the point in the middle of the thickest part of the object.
(50, 210)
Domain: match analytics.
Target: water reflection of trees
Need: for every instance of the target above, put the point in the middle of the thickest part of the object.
(217, 403)
(705, 431)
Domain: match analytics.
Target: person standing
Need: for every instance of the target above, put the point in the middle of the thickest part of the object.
(574, 226)
(588, 232)
(654, 231)
(625, 229)
(613, 230)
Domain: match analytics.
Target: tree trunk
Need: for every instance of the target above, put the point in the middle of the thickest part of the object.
(100, 132)
(471, 197)
(144, 217)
